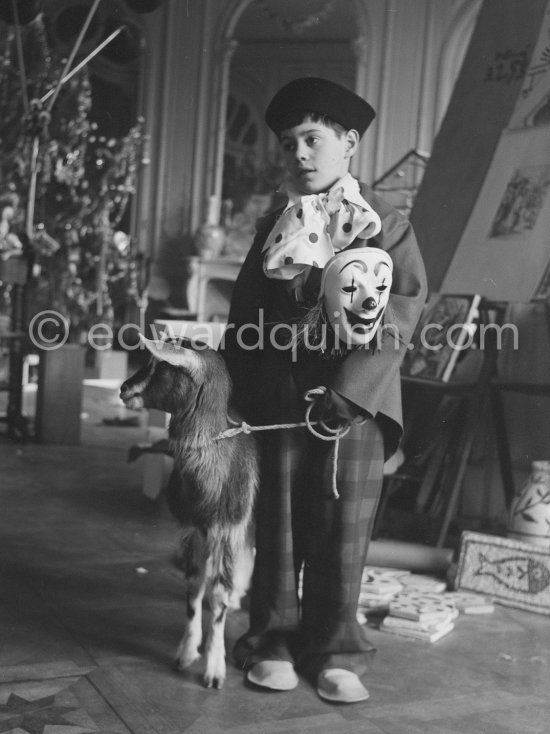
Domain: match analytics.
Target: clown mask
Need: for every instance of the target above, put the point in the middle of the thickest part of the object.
(355, 288)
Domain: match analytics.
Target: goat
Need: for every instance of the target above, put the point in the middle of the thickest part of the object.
(212, 488)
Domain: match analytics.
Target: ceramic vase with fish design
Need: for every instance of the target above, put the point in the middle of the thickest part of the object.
(529, 518)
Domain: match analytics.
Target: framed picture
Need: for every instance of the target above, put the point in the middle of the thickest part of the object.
(445, 330)
(542, 292)
(504, 248)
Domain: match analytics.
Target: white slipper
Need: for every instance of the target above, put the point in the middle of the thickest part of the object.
(278, 675)
(341, 686)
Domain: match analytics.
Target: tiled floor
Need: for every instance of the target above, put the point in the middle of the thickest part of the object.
(91, 607)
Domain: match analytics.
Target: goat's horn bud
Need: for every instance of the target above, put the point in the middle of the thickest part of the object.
(173, 353)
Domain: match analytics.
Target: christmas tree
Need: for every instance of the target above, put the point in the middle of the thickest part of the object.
(83, 182)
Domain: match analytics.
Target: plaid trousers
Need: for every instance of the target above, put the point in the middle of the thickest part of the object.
(300, 524)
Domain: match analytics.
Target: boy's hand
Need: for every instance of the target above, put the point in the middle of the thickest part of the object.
(334, 407)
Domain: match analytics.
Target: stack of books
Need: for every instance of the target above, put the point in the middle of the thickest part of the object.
(422, 583)
(378, 586)
(415, 605)
(420, 615)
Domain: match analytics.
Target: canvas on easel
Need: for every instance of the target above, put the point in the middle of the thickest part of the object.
(484, 98)
(504, 249)
(505, 246)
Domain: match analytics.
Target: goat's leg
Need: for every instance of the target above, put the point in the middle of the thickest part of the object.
(223, 570)
(195, 555)
(242, 574)
(214, 676)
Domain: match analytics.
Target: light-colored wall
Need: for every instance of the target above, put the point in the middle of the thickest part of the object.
(409, 52)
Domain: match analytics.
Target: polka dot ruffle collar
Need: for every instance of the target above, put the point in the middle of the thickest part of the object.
(316, 226)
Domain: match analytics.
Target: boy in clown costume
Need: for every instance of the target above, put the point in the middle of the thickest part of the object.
(325, 279)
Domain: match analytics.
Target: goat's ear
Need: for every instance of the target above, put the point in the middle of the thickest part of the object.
(174, 354)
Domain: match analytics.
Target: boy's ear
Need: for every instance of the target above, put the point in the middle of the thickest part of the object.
(352, 142)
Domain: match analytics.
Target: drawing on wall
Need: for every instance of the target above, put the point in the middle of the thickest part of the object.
(522, 201)
(533, 105)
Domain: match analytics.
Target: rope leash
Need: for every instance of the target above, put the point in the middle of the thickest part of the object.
(332, 434)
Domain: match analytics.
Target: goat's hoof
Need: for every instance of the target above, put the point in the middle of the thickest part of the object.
(185, 660)
(215, 681)
(215, 672)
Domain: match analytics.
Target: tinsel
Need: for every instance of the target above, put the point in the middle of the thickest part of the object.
(84, 184)
(313, 334)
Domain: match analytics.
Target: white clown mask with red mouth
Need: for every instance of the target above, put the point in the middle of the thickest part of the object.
(355, 288)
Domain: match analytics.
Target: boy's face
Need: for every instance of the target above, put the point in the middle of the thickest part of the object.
(316, 156)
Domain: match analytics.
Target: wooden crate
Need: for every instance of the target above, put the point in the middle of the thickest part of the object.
(59, 398)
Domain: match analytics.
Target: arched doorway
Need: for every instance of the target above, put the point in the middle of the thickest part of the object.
(267, 43)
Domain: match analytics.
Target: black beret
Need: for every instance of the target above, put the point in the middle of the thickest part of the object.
(312, 94)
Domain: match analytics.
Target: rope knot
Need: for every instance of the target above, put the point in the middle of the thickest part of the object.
(242, 427)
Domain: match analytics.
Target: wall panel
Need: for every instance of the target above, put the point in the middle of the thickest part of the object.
(399, 53)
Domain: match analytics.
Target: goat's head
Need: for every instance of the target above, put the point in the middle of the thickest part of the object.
(174, 376)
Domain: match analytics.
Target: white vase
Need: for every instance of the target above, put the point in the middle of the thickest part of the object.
(210, 236)
(209, 241)
(529, 519)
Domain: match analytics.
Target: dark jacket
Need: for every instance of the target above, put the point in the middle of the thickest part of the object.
(367, 377)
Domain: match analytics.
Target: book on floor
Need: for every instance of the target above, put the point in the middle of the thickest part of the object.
(429, 633)
(470, 603)
(381, 585)
(421, 582)
(391, 622)
(384, 572)
(423, 607)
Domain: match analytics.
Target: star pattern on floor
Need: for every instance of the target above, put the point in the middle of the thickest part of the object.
(33, 716)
